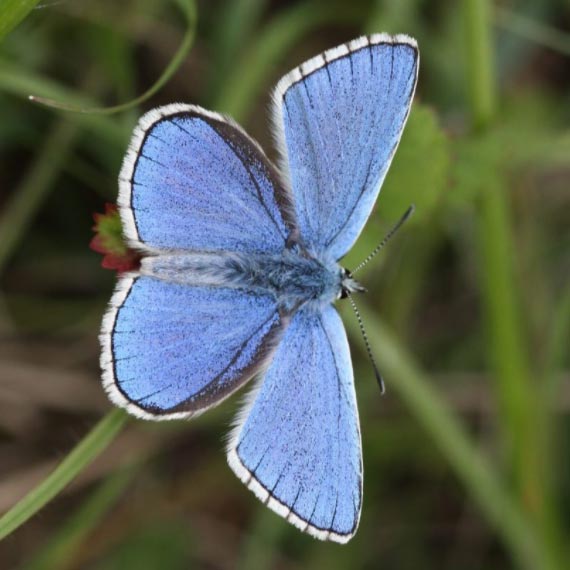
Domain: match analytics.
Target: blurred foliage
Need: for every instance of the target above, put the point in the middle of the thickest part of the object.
(466, 458)
(425, 146)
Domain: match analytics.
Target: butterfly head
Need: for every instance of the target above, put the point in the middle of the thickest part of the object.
(348, 285)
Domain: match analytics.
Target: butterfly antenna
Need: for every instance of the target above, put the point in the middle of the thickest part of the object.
(386, 239)
(367, 343)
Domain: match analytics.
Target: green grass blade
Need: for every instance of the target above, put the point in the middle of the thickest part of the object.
(61, 548)
(415, 388)
(557, 348)
(237, 25)
(21, 82)
(188, 8)
(480, 71)
(522, 423)
(277, 38)
(78, 459)
(532, 30)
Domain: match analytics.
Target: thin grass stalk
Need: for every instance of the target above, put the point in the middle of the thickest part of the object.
(95, 442)
(279, 36)
(533, 31)
(521, 424)
(188, 8)
(62, 548)
(477, 475)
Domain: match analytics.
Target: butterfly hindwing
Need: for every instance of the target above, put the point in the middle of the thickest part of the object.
(297, 445)
(171, 351)
(339, 118)
(193, 180)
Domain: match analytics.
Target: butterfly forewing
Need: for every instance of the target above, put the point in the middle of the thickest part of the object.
(340, 117)
(193, 180)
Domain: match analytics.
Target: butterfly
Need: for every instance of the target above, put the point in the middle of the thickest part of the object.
(240, 270)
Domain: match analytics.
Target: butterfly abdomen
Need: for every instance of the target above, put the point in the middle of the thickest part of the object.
(293, 278)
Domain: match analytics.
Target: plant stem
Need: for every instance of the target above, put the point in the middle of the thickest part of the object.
(188, 7)
(480, 62)
(78, 459)
(237, 25)
(521, 422)
(284, 30)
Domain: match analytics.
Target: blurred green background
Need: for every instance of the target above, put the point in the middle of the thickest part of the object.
(466, 457)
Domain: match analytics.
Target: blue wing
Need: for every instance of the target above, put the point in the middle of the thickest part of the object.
(339, 118)
(297, 446)
(193, 180)
(170, 351)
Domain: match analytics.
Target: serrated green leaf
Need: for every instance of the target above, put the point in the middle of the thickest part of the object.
(420, 168)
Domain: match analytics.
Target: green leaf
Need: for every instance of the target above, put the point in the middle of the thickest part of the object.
(12, 12)
(476, 166)
(420, 168)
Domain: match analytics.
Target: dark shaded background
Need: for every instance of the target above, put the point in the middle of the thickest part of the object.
(469, 306)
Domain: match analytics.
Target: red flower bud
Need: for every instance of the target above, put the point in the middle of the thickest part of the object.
(109, 241)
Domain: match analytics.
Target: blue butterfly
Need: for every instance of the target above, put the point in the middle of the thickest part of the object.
(240, 272)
